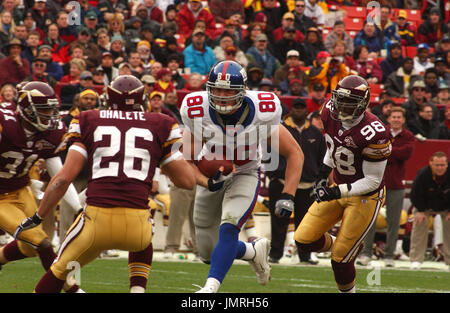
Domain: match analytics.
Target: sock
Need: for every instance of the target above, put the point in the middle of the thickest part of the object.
(139, 265)
(47, 256)
(246, 251)
(11, 252)
(344, 275)
(49, 283)
(225, 251)
(213, 283)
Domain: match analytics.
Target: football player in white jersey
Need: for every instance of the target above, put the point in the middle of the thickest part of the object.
(234, 123)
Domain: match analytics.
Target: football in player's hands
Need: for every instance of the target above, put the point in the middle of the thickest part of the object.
(209, 167)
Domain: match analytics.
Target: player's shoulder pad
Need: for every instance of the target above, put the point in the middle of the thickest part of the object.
(192, 101)
(267, 105)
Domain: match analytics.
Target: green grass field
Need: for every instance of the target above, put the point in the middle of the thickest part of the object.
(111, 276)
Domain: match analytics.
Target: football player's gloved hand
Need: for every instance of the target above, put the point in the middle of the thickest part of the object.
(324, 193)
(285, 205)
(28, 223)
(216, 182)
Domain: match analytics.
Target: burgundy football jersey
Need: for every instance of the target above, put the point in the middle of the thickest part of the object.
(368, 140)
(19, 152)
(123, 149)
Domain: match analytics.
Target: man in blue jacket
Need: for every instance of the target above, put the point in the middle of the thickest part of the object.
(198, 56)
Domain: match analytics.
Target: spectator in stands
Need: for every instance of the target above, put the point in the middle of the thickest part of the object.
(287, 23)
(195, 83)
(431, 81)
(116, 26)
(312, 45)
(136, 64)
(198, 56)
(222, 10)
(313, 144)
(97, 77)
(254, 76)
(31, 48)
(422, 60)
(393, 61)
(442, 98)
(60, 47)
(315, 120)
(103, 40)
(294, 72)
(109, 8)
(288, 43)
(12, 7)
(247, 42)
(91, 51)
(164, 82)
(171, 104)
(76, 52)
(13, 68)
(301, 21)
(383, 110)
(41, 15)
(171, 47)
(394, 174)
(262, 56)
(154, 13)
(315, 12)
(292, 60)
(442, 69)
(265, 85)
(442, 47)
(7, 27)
(149, 84)
(109, 70)
(226, 40)
(273, 13)
(67, 32)
(398, 83)
(370, 37)
(367, 67)
(38, 68)
(53, 69)
(150, 25)
(190, 12)
(173, 65)
(21, 33)
(432, 29)
(8, 94)
(76, 67)
(316, 98)
(327, 71)
(338, 34)
(91, 23)
(430, 195)
(402, 30)
(383, 19)
(339, 51)
(154, 68)
(171, 13)
(423, 126)
(118, 50)
(297, 88)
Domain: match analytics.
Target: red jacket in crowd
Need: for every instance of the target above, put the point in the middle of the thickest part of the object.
(186, 20)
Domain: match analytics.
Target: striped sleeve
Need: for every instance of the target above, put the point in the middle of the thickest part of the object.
(377, 152)
(172, 145)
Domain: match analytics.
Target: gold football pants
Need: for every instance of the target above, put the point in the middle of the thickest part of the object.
(357, 214)
(15, 207)
(98, 229)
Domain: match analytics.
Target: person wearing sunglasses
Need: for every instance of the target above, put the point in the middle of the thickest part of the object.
(38, 73)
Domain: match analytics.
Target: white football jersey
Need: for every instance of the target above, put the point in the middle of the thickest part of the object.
(243, 143)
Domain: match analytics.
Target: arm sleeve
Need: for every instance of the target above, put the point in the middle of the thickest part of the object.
(71, 196)
(373, 176)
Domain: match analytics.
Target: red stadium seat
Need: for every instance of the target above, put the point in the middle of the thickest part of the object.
(376, 89)
(358, 12)
(353, 23)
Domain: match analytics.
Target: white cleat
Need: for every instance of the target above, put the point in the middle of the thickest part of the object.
(260, 263)
(363, 260)
(415, 265)
(206, 289)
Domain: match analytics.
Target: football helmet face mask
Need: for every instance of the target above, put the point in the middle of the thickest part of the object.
(223, 77)
(125, 93)
(350, 98)
(38, 105)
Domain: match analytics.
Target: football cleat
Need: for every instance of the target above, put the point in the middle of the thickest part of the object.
(415, 265)
(206, 289)
(260, 263)
(363, 260)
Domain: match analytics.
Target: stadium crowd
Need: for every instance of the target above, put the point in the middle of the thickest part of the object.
(295, 48)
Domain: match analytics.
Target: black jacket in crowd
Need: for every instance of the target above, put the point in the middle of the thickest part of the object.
(426, 193)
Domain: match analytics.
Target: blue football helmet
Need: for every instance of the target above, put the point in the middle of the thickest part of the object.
(226, 75)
